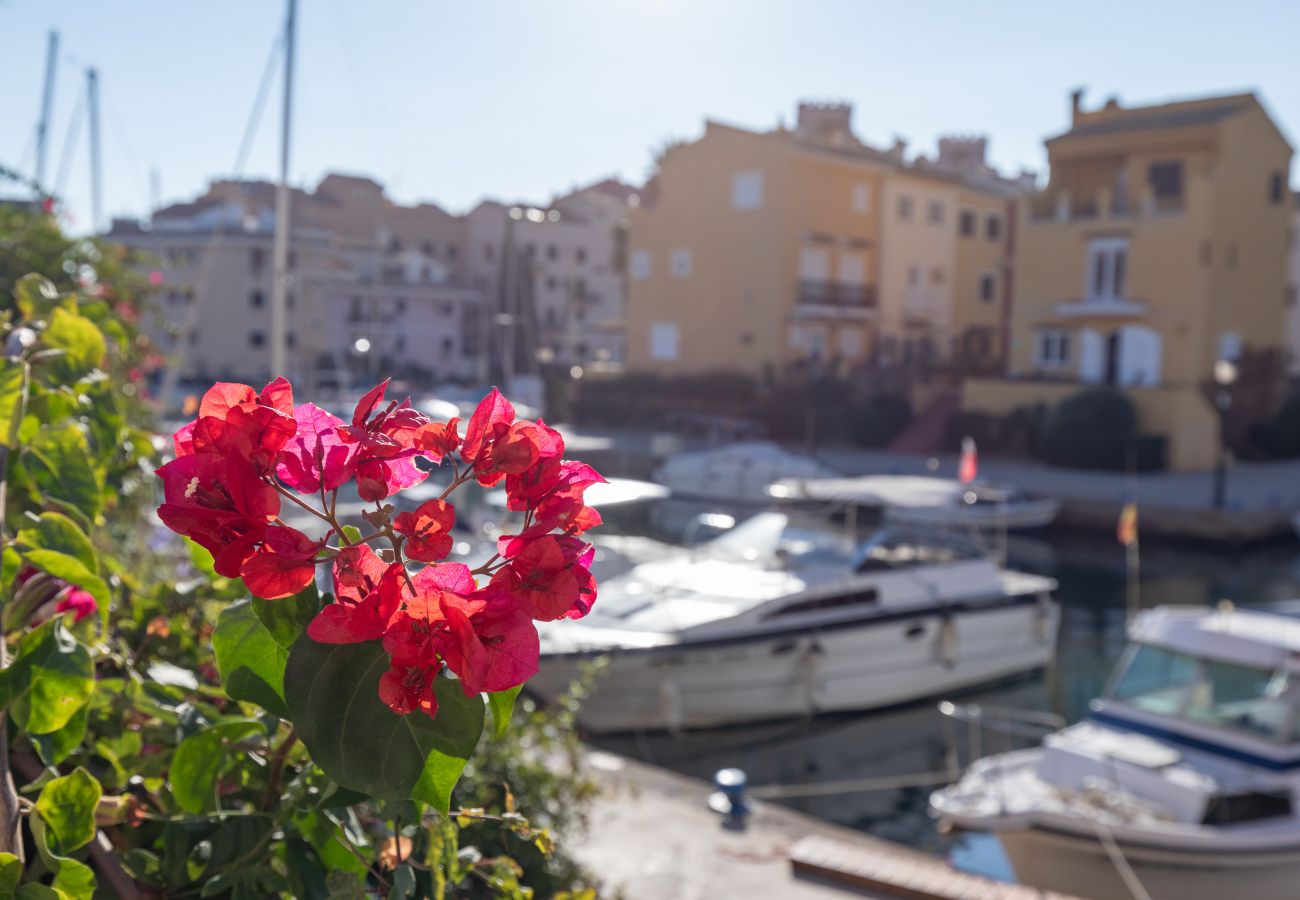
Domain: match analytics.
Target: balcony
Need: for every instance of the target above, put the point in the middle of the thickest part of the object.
(821, 297)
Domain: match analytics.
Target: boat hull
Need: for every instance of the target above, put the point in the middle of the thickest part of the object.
(1013, 517)
(871, 664)
(1080, 866)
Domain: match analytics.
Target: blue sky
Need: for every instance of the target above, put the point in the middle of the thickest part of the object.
(523, 98)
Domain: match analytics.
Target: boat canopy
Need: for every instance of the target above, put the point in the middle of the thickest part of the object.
(901, 491)
(1241, 636)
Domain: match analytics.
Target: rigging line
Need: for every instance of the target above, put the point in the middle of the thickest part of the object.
(69, 143)
(372, 100)
(123, 143)
(176, 359)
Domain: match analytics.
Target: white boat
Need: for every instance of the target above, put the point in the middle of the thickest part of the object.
(1182, 782)
(735, 473)
(774, 620)
(926, 502)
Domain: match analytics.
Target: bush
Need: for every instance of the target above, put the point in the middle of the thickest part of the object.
(1097, 429)
(1279, 436)
(1018, 433)
(879, 420)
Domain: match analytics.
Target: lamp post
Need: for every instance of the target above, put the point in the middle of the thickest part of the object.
(1225, 375)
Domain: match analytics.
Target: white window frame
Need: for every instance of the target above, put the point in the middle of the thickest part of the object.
(680, 263)
(979, 286)
(862, 198)
(747, 189)
(1114, 277)
(665, 341)
(1052, 348)
(639, 265)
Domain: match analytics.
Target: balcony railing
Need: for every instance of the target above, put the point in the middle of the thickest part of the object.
(837, 294)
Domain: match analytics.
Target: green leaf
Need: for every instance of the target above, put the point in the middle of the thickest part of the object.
(36, 296)
(403, 882)
(81, 342)
(55, 747)
(11, 872)
(333, 696)
(198, 761)
(55, 531)
(11, 391)
(502, 704)
(286, 619)
(68, 805)
(50, 679)
(250, 659)
(71, 570)
(352, 533)
(58, 462)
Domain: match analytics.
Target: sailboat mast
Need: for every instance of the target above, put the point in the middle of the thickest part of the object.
(47, 102)
(96, 169)
(280, 248)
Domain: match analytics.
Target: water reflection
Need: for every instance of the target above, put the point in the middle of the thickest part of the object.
(911, 739)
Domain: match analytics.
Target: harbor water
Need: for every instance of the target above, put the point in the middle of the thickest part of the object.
(915, 739)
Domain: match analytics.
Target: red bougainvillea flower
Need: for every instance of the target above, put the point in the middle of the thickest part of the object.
(492, 417)
(284, 565)
(407, 689)
(220, 503)
(234, 419)
(316, 457)
(386, 444)
(368, 591)
(78, 602)
(438, 439)
(552, 577)
(493, 644)
(427, 530)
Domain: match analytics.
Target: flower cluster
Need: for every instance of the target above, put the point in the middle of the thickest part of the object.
(248, 450)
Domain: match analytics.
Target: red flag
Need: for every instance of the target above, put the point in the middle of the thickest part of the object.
(1126, 529)
(969, 466)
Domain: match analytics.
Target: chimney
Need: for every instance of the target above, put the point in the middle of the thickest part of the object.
(1076, 105)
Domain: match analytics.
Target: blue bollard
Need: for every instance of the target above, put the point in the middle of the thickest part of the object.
(730, 797)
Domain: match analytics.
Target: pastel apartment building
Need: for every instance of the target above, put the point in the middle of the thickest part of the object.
(762, 252)
(1158, 247)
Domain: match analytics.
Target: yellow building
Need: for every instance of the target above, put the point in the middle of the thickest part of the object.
(751, 251)
(1158, 247)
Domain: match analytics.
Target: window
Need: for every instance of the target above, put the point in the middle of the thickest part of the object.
(256, 300)
(401, 305)
(292, 260)
(290, 301)
(966, 224)
(988, 287)
(1166, 180)
(256, 339)
(1229, 345)
(1276, 188)
(936, 275)
(835, 601)
(681, 263)
(291, 340)
(747, 189)
(1107, 268)
(256, 260)
(395, 245)
(862, 198)
(664, 340)
(452, 251)
(552, 252)
(993, 227)
(400, 343)
(1052, 348)
(448, 345)
(550, 282)
(905, 208)
(580, 255)
(530, 250)
(489, 252)
(914, 276)
(935, 214)
(640, 265)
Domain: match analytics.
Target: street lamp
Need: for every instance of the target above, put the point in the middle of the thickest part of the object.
(1225, 375)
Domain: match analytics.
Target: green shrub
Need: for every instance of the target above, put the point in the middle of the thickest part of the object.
(1280, 436)
(1097, 429)
(879, 419)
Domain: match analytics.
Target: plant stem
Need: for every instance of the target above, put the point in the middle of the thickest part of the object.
(273, 779)
(285, 492)
(11, 840)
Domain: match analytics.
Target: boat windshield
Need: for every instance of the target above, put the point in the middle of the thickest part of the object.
(1244, 699)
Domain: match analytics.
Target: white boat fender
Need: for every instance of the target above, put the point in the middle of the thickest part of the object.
(670, 704)
(946, 644)
(810, 667)
(1042, 616)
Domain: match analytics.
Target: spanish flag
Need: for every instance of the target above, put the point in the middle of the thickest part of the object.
(968, 468)
(1126, 530)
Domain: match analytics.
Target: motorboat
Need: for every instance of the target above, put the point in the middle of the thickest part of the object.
(1182, 781)
(926, 502)
(778, 618)
(736, 473)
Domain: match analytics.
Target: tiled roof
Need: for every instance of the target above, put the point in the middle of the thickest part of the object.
(1152, 118)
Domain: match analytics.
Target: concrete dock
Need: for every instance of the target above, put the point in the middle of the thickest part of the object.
(652, 837)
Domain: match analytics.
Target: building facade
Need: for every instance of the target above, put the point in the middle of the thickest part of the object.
(767, 252)
(1158, 247)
